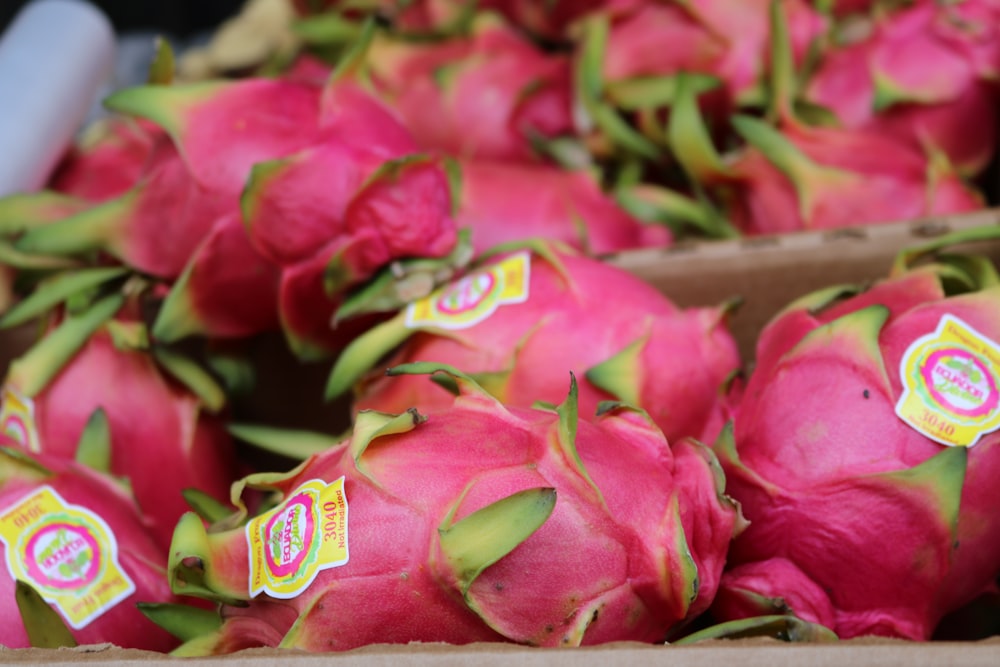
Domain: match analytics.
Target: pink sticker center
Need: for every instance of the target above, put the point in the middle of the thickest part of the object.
(466, 294)
(289, 536)
(63, 556)
(960, 383)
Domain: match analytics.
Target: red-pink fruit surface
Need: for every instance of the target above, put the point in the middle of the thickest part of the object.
(624, 340)
(553, 203)
(457, 529)
(163, 438)
(858, 520)
(133, 550)
(487, 95)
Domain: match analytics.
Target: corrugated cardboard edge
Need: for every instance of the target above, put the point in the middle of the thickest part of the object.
(767, 272)
(744, 653)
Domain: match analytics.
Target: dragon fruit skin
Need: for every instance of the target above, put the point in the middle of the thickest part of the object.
(321, 188)
(142, 559)
(516, 92)
(209, 297)
(622, 337)
(288, 210)
(264, 150)
(895, 505)
(800, 177)
(345, 208)
(153, 226)
(790, 176)
(223, 128)
(562, 205)
(163, 437)
(218, 131)
(723, 38)
(108, 161)
(638, 546)
(876, 83)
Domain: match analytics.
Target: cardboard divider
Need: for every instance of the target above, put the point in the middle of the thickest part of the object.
(767, 272)
(715, 653)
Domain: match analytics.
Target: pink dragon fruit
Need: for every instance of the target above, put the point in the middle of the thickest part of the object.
(555, 203)
(793, 176)
(519, 323)
(219, 130)
(490, 94)
(232, 145)
(925, 74)
(725, 39)
(800, 177)
(482, 500)
(76, 537)
(865, 453)
(153, 227)
(164, 438)
(386, 203)
(109, 159)
(210, 296)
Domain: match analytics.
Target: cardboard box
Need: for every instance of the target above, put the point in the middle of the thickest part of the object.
(768, 272)
(744, 653)
(765, 273)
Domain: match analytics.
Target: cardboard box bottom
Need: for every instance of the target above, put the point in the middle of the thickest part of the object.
(717, 653)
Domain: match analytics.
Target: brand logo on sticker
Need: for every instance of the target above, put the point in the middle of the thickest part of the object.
(950, 384)
(475, 297)
(291, 544)
(291, 536)
(63, 556)
(67, 553)
(17, 419)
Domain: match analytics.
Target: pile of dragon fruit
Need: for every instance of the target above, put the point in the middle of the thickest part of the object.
(410, 207)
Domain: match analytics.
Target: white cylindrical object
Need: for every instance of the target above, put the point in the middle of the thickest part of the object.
(56, 58)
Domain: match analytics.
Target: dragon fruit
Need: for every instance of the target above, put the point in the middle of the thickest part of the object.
(725, 39)
(793, 176)
(801, 177)
(476, 550)
(387, 202)
(164, 437)
(520, 322)
(558, 204)
(490, 94)
(108, 160)
(626, 83)
(153, 227)
(876, 411)
(209, 297)
(219, 130)
(76, 537)
(262, 152)
(925, 74)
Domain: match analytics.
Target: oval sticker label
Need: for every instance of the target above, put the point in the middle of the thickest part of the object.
(950, 384)
(473, 298)
(67, 553)
(292, 543)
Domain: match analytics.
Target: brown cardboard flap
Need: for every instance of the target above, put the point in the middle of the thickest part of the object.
(741, 653)
(768, 272)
